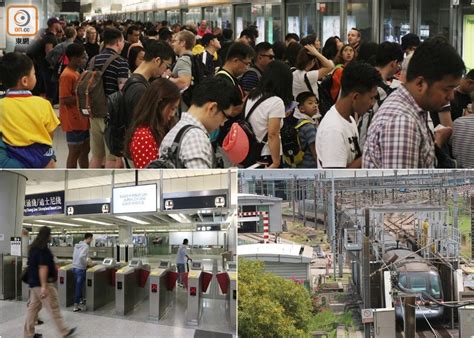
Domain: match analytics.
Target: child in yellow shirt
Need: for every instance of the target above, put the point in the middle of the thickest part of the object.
(27, 122)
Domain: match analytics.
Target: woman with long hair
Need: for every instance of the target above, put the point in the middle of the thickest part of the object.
(42, 276)
(332, 46)
(345, 55)
(269, 101)
(153, 117)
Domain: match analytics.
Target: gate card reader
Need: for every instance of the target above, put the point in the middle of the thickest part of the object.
(109, 262)
(136, 263)
(196, 265)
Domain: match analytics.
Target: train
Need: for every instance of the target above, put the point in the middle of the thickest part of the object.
(414, 275)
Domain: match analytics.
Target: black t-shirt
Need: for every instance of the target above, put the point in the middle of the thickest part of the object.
(133, 93)
(37, 257)
(459, 103)
(39, 53)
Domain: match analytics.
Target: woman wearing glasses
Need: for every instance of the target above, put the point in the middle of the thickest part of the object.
(263, 56)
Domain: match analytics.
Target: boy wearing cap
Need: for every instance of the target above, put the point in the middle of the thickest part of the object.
(307, 110)
(208, 47)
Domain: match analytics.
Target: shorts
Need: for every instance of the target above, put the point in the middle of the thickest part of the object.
(33, 156)
(180, 267)
(98, 147)
(77, 137)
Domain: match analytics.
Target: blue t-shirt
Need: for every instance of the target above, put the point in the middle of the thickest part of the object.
(181, 258)
(307, 134)
(37, 257)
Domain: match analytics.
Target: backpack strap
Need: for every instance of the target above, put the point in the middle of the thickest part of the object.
(256, 104)
(108, 62)
(222, 71)
(301, 123)
(308, 84)
(176, 145)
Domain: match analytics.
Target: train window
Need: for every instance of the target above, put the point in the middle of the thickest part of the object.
(403, 280)
(418, 282)
(435, 286)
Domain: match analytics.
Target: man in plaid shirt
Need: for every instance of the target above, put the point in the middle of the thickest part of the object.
(399, 136)
(211, 105)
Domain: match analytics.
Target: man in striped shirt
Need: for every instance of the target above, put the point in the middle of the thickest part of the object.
(399, 136)
(114, 79)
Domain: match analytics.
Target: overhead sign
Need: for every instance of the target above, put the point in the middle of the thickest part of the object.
(139, 198)
(208, 227)
(196, 200)
(15, 246)
(49, 203)
(88, 209)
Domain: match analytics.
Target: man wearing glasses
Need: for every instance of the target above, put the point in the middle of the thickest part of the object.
(157, 60)
(264, 55)
(211, 106)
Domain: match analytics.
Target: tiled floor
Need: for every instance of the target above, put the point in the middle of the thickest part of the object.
(105, 323)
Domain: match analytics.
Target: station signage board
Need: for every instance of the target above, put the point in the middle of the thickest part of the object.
(87, 208)
(50, 203)
(15, 246)
(134, 199)
(195, 200)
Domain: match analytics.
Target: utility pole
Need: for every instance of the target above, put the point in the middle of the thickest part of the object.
(410, 319)
(366, 269)
(333, 225)
(293, 196)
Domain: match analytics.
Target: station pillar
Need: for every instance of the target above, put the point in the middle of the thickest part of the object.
(12, 203)
(125, 234)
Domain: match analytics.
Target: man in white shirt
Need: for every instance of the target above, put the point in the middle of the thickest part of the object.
(337, 139)
(181, 260)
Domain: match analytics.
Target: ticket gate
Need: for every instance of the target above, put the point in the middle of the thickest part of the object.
(7, 276)
(100, 283)
(162, 283)
(131, 286)
(197, 282)
(228, 283)
(66, 285)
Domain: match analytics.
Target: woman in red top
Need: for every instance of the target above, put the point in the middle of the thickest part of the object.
(153, 117)
(345, 55)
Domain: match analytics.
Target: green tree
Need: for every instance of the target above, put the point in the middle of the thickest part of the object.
(269, 305)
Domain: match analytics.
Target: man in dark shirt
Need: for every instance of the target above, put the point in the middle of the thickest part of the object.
(462, 95)
(212, 46)
(159, 57)
(264, 55)
(39, 49)
(133, 36)
(114, 78)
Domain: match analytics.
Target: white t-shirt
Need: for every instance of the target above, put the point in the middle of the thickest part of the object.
(336, 141)
(272, 107)
(299, 85)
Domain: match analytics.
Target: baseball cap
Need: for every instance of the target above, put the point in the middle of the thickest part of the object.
(208, 37)
(52, 21)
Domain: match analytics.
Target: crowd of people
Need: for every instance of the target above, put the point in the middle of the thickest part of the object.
(159, 96)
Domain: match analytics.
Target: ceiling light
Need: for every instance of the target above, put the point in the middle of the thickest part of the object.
(132, 219)
(58, 223)
(28, 224)
(179, 217)
(91, 221)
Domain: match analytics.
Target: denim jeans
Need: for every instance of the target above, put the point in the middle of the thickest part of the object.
(80, 277)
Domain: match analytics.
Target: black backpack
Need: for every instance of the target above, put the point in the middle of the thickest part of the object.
(324, 90)
(198, 74)
(118, 119)
(293, 151)
(255, 147)
(169, 159)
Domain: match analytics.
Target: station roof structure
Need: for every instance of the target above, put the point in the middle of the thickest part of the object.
(287, 253)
